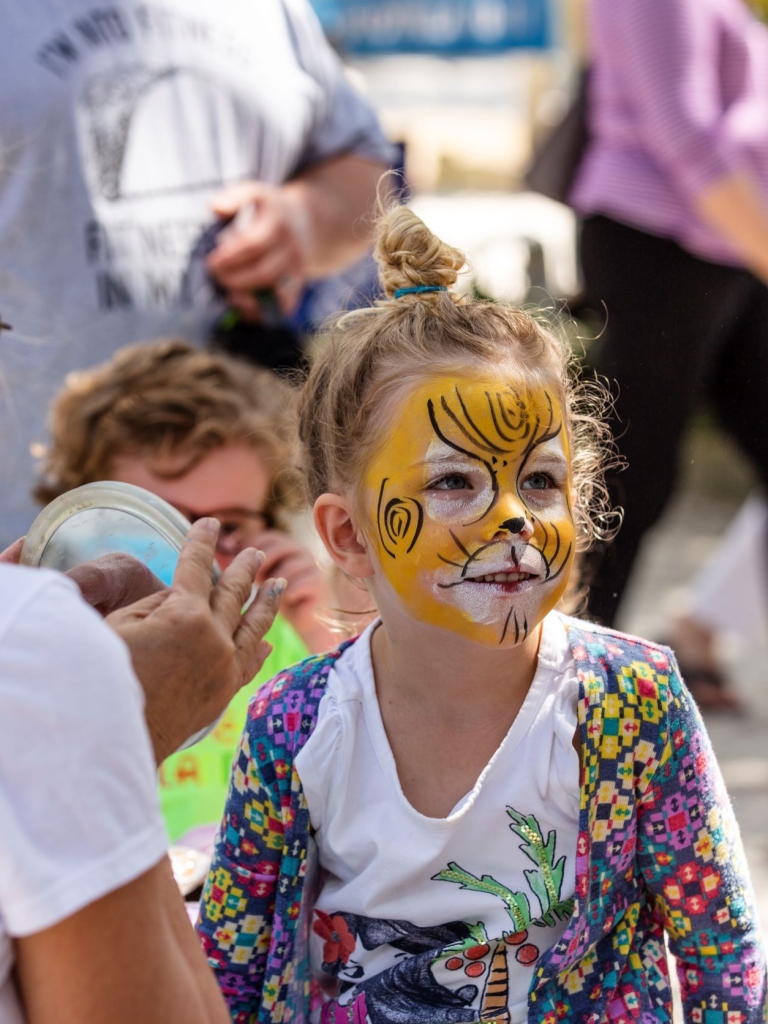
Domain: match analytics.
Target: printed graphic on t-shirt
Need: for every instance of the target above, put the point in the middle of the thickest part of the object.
(449, 972)
(160, 130)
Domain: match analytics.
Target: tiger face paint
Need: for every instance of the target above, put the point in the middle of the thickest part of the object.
(468, 506)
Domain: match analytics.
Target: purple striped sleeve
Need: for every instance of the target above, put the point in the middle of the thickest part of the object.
(672, 65)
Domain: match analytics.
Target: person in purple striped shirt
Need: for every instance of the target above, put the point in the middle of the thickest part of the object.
(673, 188)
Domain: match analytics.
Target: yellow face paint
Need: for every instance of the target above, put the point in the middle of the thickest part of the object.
(468, 506)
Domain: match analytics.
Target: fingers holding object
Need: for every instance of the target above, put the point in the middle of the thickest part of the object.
(195, 567)
(254, 624)
(12, 554)
(115, 581)
(234, 588)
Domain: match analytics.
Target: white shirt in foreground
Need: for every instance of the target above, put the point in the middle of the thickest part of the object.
(428, 918)
(79, 812)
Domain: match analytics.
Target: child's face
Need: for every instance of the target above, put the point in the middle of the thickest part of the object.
(231, 483)
(468, 506)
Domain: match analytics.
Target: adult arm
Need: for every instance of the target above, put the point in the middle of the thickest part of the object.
(319, 221)
(85, 888)
(692, 860)
(734, 207)
(671, 61)
(129, 956)
(311, 227)
(190, 648)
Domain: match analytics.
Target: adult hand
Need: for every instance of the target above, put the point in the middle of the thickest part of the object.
(108, 582)
(269, 249)
(12, 554)
(191, 647)
(115, 581)
(307, 588)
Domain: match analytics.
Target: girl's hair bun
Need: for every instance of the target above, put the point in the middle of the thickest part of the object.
(408, 254)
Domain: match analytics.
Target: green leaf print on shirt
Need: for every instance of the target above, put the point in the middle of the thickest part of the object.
(545, 880)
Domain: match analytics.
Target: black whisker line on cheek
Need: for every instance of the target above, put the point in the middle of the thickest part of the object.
(562, 567)
(459, 545)
(456, 565)
(378, 518)
(506, 625)
(476, 555)
(492, 449)
(525, 628)
(517, 629)
(557, 535)
(543, 558)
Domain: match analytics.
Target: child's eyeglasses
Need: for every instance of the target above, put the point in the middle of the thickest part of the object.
(240, 528)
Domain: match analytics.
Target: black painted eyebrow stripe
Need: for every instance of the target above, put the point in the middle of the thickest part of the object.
(492, 449)
(474, 426)
(524, 421)
(503, 436)
(445, 440)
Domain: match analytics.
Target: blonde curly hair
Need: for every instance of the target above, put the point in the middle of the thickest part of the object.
(168, 398)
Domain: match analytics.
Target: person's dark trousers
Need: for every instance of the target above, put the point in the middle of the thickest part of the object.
(680, 330)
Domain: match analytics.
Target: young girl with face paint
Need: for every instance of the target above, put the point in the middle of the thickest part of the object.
(479, 810)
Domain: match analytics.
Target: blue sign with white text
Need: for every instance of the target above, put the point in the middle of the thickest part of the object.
(436, 26)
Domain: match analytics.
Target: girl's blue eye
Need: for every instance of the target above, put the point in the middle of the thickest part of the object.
(450, 482)
(538, 482)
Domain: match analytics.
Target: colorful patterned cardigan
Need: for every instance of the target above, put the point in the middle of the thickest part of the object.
(658, 851)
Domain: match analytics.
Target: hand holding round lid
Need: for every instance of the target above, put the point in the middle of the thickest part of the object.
(191, 645)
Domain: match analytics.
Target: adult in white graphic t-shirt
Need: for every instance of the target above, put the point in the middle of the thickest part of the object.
(125, 129)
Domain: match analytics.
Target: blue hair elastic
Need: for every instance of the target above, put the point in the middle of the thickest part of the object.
(420, 288)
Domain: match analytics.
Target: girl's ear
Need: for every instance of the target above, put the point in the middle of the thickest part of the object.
(343, 539)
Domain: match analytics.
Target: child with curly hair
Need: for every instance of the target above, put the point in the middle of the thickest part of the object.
(211, 435)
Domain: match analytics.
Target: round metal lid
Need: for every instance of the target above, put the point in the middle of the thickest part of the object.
(103, 518)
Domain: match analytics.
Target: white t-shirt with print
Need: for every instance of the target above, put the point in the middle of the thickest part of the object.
(440, 919)
(79, 811)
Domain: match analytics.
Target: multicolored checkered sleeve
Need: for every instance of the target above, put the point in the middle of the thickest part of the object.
(692, 860)
(237, 908)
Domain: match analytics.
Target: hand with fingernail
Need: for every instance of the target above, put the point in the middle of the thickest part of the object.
(191, 645)
(307, 599)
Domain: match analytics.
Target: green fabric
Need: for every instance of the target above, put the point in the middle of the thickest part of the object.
(193, 782)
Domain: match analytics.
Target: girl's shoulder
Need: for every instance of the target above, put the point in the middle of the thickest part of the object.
(612, 662)
(285, 708)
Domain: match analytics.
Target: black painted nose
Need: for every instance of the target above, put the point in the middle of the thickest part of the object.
(516, 525)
